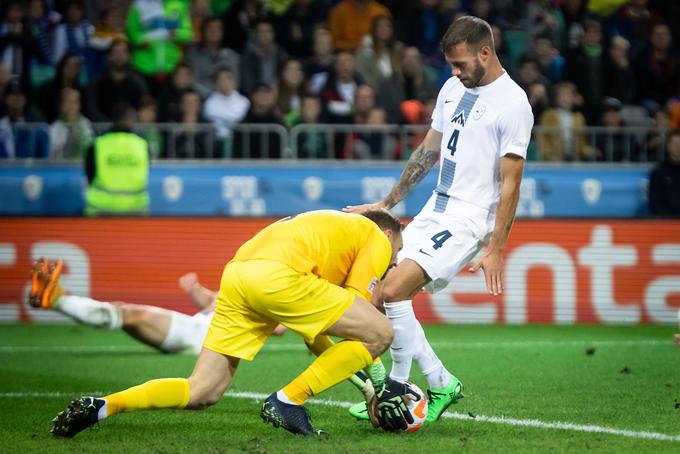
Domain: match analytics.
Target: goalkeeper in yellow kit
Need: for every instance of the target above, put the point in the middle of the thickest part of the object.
(315, 273)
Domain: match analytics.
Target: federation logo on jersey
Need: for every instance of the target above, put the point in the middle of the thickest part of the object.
(479, 111)
(372, 285)
(459, 118)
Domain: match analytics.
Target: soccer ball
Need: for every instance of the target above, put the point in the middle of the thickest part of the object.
(417, 407)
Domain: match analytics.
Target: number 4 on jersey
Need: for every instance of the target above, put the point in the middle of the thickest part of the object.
(439, 238)
(453, 141)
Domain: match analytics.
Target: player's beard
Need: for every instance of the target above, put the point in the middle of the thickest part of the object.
(476, 76)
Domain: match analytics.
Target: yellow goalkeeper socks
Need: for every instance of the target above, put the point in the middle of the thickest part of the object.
(160, 393)
(334, 365)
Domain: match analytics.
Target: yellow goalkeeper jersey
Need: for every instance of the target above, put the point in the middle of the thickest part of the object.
(345, 249)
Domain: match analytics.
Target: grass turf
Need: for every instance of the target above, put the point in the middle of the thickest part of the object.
(622, 377)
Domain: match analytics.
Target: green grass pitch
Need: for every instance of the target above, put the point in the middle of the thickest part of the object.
(601, 381)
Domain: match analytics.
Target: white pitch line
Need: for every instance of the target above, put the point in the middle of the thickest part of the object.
(535, 423)
(301, 347)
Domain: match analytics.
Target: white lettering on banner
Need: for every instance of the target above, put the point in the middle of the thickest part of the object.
(173, 187)
(602, 256)
(9, 312)
(375, 189)
(657, 292)
(450, 311)
(313, 188)
(529, 205)
(561, 266)
(241, 193)
(77, 280)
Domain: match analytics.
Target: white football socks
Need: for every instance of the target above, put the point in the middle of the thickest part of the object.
(433, 369)
(90, 312)
(405, 328)
(409, 343)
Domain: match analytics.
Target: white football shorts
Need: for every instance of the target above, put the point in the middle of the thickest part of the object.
(443, 243)
(187, 333)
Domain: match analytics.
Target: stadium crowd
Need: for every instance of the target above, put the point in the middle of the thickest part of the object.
(71, 64)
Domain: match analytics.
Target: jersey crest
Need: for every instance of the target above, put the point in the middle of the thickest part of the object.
(459, 118)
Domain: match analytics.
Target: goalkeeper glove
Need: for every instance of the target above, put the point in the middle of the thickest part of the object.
(393, 412)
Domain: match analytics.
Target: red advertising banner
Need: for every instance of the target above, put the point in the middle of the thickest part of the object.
(567, 271)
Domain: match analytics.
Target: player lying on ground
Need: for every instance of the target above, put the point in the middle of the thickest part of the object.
(169, 331)
(480, 130)
(314, 273)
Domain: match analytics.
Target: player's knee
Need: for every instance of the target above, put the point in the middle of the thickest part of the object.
(391, 291)
(202, 395)
(133, 315)
(380, 337)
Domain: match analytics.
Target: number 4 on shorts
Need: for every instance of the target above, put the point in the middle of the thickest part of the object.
(439, 238)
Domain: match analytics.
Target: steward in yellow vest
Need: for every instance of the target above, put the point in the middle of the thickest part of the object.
(117, 168)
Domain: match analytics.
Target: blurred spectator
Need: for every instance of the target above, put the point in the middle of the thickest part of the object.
(658, 69)
(109, 27)
(529, 73)
(618, 74)
(117, 169)
(295, 28)
(571, 16)
(208, 56)
(74, 34)
(41, 22)
(16, 139)
(118, 85)
(239, 21)
(290, 88)
(320, 65)
(364, 102)
(200, 11)
(190, 139)
(71, 134)
(5, 79)
(147, 128)
(337, 95)
(157, 30)
(537, 94)
(422, 26)
(656, 138)
(550, 62)
(633, 21)
(259, 144)
(410, 80)
(664, 181)
(171, 95)
(261, 58)
(373, 144)
(225, 106)
(614, 143)
(67, 76)
(501, 47)
(584, 68)
(350, 20)
(562, 140)
(486, 10)
(374, 57)
(311, 144)
(17, 45)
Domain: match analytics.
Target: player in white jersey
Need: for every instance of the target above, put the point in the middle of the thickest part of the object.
(480, 131)
(168, 331)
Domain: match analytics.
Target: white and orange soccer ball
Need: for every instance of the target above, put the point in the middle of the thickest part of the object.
(417, 407)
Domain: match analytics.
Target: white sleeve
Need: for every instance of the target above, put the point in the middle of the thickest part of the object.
(514, 127)
(438, 112)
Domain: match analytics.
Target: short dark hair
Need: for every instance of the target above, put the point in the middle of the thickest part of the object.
(384, 219)
(222, 69)
(471, 30)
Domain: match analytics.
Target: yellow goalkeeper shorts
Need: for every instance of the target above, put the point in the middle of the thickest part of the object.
(255, 295)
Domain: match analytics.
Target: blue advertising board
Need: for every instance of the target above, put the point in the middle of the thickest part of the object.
(279, 189)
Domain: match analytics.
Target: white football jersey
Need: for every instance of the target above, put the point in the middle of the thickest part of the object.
(479, 126)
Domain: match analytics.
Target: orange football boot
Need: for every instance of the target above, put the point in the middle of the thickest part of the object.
(45, 287)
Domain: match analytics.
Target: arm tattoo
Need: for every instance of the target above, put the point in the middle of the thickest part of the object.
(417, 167)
